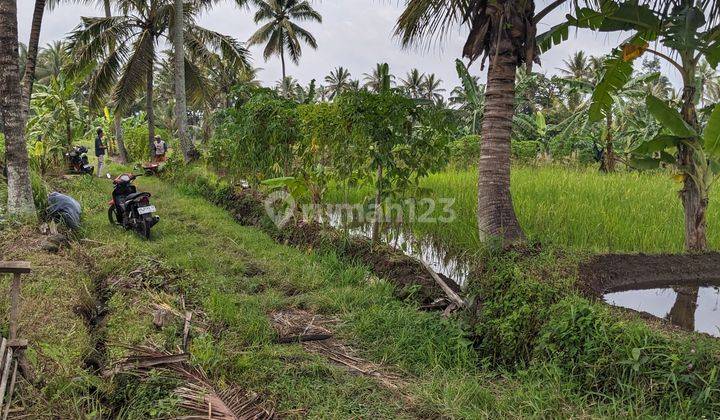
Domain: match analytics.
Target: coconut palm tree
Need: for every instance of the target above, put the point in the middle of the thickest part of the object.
(124, 68)
(280, 33)
(225, 76)
(502, 31)
(287, 87)
(431, 89)
(178, 40)
(354, 85)
(51, 61)
(20, 197)
(577, 67)
(32, 54)
(379, 79)
(413, 83)
(337, 81)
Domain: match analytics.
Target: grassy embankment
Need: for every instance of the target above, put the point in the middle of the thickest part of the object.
(575, 209)
(236, 276)
(532, 319)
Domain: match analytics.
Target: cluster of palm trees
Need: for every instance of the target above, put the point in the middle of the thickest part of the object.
(415, 85)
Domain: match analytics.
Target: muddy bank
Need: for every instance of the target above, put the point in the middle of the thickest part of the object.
(620, 272)
(406, 273)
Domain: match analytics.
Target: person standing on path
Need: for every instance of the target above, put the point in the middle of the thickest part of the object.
(100, 148)
(160, 149)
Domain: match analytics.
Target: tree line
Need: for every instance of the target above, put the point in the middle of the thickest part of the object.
(116, 69)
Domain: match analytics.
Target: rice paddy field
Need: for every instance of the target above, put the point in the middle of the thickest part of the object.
(572, 208)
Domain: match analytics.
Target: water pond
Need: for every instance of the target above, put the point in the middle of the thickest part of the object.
(691, 308)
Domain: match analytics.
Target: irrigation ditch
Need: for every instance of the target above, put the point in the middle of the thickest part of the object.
(528, 307)
(596, 277)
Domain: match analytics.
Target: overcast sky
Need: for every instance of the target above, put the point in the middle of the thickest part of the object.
(355, 34)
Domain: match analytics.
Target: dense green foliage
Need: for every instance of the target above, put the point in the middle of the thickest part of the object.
(531, 315)
(269, 136)
(135, 136)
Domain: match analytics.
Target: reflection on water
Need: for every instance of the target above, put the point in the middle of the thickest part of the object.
(439, 260)
(691, 308)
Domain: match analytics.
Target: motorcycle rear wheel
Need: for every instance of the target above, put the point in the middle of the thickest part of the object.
(145, 226)
(113, 215)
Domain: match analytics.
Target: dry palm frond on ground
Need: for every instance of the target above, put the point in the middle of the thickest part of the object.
(198, 395)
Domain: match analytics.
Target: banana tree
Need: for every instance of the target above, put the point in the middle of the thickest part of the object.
(472, 95)
(685, 31)
(581, 120)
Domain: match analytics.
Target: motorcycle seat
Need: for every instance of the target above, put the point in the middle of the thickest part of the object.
(136, 195)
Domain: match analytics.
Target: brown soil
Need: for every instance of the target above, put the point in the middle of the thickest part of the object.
(619, 272)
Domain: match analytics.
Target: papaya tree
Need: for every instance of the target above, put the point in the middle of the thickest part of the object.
(396, 140)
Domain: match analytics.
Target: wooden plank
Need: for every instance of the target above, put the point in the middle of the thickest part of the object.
(18, 343)
(186, 329)
(10, 392)
(3, 346)
(450, 293)
(15, 267)
(5, 374)
(14, 305)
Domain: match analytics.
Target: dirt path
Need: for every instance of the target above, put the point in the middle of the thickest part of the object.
(231, 278)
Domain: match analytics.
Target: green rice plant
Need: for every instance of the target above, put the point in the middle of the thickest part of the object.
(573, 208)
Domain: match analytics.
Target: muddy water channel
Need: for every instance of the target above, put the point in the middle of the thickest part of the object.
(400, 237)
(691, 308)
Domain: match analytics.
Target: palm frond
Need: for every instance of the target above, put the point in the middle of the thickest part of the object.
(134, 74)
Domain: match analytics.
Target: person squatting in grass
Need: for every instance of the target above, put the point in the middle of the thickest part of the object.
(100, 148)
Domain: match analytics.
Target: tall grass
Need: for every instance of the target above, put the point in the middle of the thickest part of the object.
(575, 208)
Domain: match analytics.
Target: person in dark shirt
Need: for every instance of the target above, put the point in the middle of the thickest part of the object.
(100, 148)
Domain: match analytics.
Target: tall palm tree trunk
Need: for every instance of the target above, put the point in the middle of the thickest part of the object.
(33, 47)
(282, 60)
(149, 105)
(495, 214)
(20, 197)
(186, 144)
(117, 117)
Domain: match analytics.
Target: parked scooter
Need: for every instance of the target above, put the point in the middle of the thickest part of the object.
(78, 161)
(130, 208)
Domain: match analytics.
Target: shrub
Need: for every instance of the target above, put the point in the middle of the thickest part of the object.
(465, 151)
(136, 139)
(40, 192)
(258, 140)
(531, 315)
(525, 150)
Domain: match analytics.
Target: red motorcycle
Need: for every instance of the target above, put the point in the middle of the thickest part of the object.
(131, 209)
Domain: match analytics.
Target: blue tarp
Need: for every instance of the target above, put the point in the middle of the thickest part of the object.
(64, 208)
